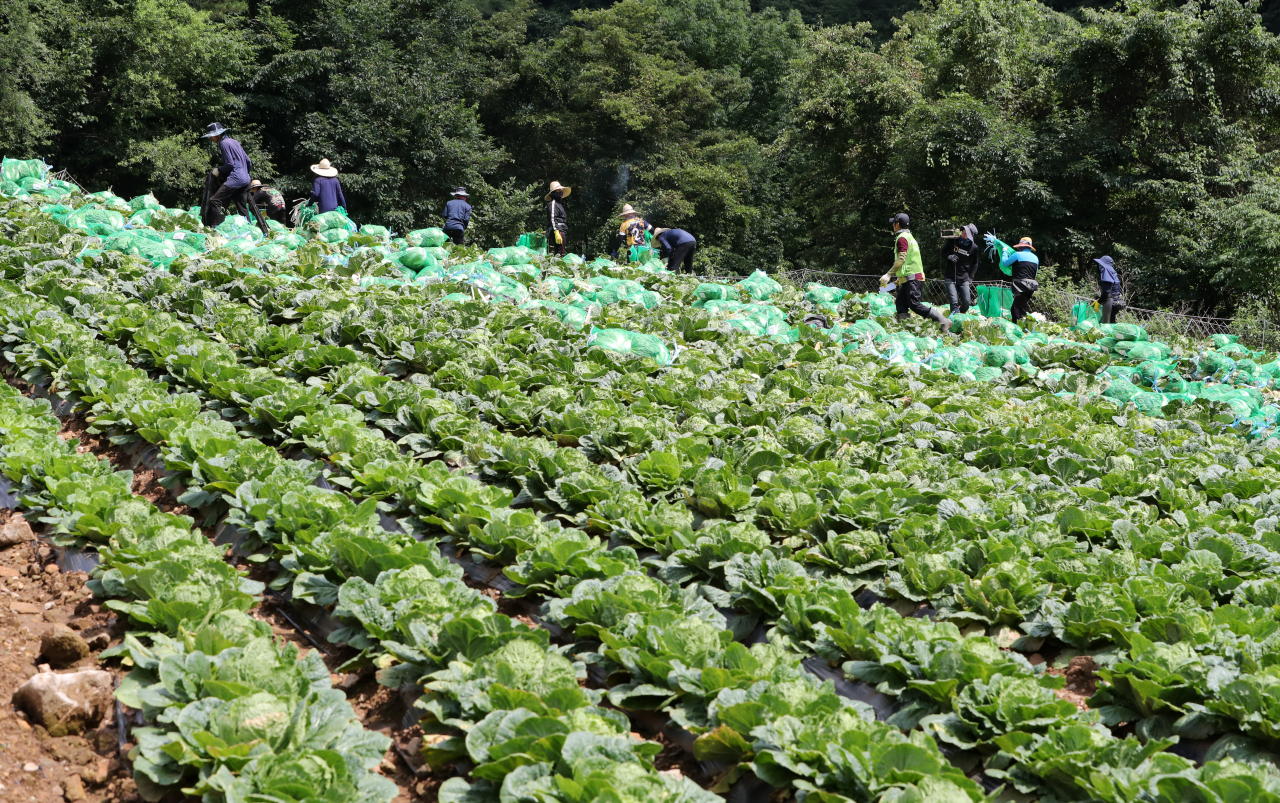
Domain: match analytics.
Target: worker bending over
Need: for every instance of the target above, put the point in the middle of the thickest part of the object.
(232, 173)
(679, 245)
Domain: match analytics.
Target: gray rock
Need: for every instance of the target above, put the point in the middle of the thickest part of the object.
(15, 532)
(68, 703)
(61, 646)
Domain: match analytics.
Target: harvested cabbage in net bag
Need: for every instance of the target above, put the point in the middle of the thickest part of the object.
(713, 292)
(959, 319)
(331, 221)
(823, 296)
(430, 238)
(864, 327)
(1150, 403)
(417, 258)
(880, 305)
(1142, 350)
(573, 317)
(16, 170)
(1213, 363)
(653, 266)
(640, 253)
(759, 286)
(429, 273)
(1000, 356)
(127, 242)
(58, 212)
(602, 263)
(628, 342)
(1154, 372)
(289, 240)
(1222, 340)
(1122, 390)
(238, 226)
(379, 232)
(718, 306)
(147, 201)
(1235, 350)
(333, 236)
(269, 252)
(1085, 315)
(515, 255)
(987, 374)
(1128, 331)
(572, 259)
(93, 220)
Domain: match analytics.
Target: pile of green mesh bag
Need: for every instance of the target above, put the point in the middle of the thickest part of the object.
(628, 342)
(29, 179)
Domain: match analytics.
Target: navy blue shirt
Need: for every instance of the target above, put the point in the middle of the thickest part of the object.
(457, 213)
(326, 193)
(235, 163)
(670, 238)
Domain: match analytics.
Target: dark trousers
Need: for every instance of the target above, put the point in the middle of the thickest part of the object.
(1024, 287)
(224, 196)
(908, 299)
(556, 249)
(682, 258)
(455, 235)
(276, 213)
(959, 291)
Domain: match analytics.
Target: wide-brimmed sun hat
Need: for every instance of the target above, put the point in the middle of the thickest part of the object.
(255, 184)
(213, 130)
(461, 191)
(656, 232)
(555, 185)
(324, 169)
(627, 209)
(1025, 242)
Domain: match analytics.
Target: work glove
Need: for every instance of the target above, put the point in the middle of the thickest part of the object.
(214, 172)
(953, 258)
(884, 280)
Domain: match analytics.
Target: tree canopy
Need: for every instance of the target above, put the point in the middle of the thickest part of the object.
(781, 134)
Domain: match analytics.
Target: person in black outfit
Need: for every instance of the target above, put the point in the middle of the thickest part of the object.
(959, 266)
(1109, 299)
(679, 246)
(557, 219)
(270, 202)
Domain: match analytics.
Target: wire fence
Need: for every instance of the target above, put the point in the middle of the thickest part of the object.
(1055, 305)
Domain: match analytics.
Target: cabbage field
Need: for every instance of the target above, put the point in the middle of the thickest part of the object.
(571, 503)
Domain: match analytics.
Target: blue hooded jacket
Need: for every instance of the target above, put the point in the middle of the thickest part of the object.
(1107, 270)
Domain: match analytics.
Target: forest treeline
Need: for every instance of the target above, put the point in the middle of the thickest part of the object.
(1147, 131)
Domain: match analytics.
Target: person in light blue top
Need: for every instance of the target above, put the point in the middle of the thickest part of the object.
(457, 214)
(1020, 263)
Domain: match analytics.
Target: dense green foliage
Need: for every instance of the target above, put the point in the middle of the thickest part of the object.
(1147, 131)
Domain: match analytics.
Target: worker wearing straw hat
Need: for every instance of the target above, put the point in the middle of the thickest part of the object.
(270, 201)
(557, 218)
(457, 214)
(631, 231)
(679, 245)
(326, 192)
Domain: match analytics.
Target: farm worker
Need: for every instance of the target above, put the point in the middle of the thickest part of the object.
(326, 192)
(631, 231)
(960, 265)
(269, 201)
(1021, 263)
(908, 270)
(233, 173)
(557, 218)
(1109, 300)
(457, 214)
(679, 245)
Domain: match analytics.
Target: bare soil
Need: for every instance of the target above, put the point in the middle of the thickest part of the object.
(1081, 681)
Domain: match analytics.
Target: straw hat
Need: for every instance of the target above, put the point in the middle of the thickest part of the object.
(656, 232)
(324, 169)
(555, 185)
(627, 210)
(255, 184)
(1025, 242)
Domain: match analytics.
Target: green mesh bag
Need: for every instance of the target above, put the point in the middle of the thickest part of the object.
(333, 236)
(1122, 390)
(861, 328)
(1213, 363)
(713, 292)
(723, 307)
(987, 374)
(534, 241)
(289, 240)
(1128, 331)
(994, 302)
(269, 252)
(514, 255)
(58, 212)
(330, 221)
(16, 170)
(1150, 403)
(573, 317)
(429, 238)
(458, 297)
(93, 220)
(602, 263)
(127, 242)
(759, 286)
(823, 296)
(653, 266)
(380, 232)
(417, 258)
(628, 342)
(1000, 356)
(428, 273)
(572, 259)
(147, 201)
(1219, 341)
